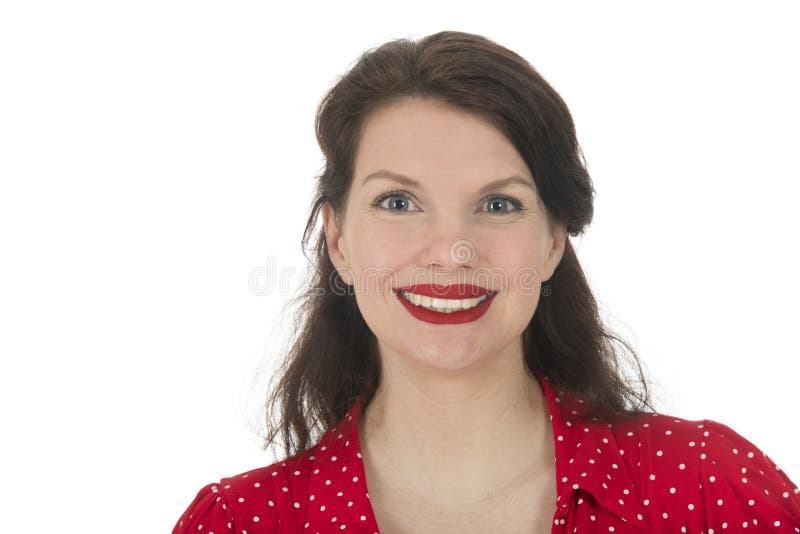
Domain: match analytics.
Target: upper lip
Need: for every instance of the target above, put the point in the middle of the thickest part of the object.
(453, 291)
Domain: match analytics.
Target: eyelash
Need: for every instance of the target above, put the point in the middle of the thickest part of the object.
(518, 207)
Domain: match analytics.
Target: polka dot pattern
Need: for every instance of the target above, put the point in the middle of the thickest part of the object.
(752, 488)
(657, 473)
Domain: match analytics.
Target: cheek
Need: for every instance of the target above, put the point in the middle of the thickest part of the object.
(380, 244)
(379, 252)
(518, 257)
(513, 252)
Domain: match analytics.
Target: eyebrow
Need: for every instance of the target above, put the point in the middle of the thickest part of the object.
(410, 182)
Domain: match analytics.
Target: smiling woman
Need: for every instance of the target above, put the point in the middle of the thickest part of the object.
(452, 373)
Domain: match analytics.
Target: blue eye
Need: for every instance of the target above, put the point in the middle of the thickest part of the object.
(498, 200)
(401, 200)
(393, 197)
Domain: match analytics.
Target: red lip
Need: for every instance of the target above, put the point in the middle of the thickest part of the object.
(438, 317)
(454, 291)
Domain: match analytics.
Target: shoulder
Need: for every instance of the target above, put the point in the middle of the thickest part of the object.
(258, 501)
(704, 473)
(742, 484)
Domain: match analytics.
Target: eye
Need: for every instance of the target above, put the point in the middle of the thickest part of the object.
(397, 199)
(498, 201)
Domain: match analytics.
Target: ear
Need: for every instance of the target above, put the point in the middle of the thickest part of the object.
(558, 240)
(334, 240)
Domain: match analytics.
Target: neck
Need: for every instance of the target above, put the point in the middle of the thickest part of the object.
(478, 432)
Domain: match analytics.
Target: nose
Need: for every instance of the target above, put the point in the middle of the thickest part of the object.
(448, 248)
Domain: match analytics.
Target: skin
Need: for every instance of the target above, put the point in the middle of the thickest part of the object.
(457, 426)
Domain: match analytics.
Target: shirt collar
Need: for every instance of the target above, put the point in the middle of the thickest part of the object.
(587, 457)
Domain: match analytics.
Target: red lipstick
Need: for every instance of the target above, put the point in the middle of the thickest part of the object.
(454, 291)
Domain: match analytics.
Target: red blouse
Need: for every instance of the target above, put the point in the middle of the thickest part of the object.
(656, 474)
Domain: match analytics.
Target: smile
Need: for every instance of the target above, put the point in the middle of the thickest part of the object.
(442, 305)
(427, 302)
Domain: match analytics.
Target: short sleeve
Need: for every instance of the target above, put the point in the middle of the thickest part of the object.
(208, 512)
(742, 487)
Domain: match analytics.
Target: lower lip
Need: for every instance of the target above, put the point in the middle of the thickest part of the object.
(456, 317)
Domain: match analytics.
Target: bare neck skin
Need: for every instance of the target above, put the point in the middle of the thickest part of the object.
(457, 439)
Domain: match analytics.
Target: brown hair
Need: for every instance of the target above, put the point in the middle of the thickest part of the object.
(334, 358)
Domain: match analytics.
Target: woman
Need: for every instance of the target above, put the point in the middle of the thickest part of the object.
(452, 351)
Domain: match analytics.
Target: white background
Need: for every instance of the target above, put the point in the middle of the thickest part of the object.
(153, 154)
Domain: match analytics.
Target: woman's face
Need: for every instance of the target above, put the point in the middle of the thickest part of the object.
(451, 228)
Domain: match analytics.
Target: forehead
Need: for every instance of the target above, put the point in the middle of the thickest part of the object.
(422, 136)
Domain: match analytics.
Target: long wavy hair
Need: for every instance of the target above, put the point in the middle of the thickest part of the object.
(334, 358)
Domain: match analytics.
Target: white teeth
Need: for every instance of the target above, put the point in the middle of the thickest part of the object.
(443, 305)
